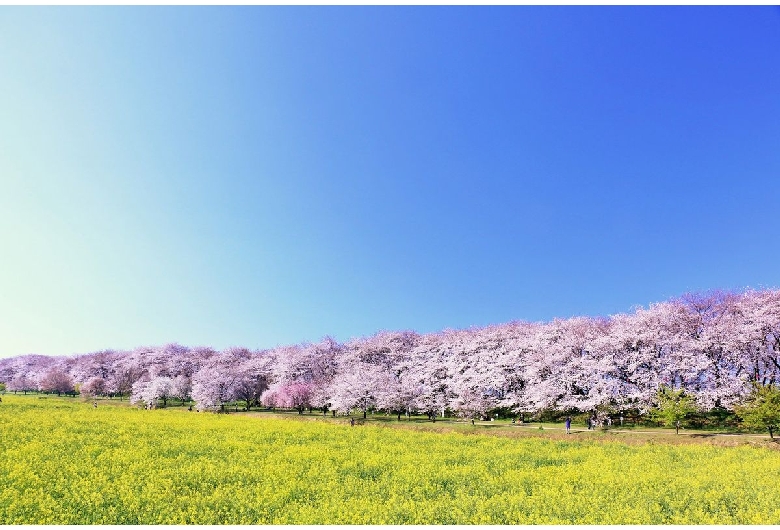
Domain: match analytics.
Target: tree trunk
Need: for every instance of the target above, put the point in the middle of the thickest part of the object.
(364, 413)
(771, 434)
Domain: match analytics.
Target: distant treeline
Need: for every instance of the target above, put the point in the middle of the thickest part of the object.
(716, 347)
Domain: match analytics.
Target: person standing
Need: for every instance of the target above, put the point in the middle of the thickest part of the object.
(568, 424)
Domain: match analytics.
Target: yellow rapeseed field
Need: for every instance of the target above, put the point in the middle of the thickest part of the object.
(69, 463)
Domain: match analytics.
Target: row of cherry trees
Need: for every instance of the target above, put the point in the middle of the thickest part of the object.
(715, 346)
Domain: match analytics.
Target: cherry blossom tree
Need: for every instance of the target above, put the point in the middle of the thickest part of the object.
(711, 320)
(159, 388)
(354, 388)
(28, 370)
(22, 383)
(213, 386)
(56, 380)
(7, 371)
(219, 380)
(96, 386)
(757, 338)
(390, 354)
(634, 352)
(94, 372)
(127, 371)
(477, 384)
(252, 378)
(562, 369)
(715, 347)
(296, 395)
(310, 363)
(371, 372)
(431, 375)
(181, 387)
(396, 391)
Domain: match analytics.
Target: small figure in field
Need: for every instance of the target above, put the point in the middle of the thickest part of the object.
(189, 408)
(568, 424)
(1, 400)
(621, 419)
(472, 421)
(609, 421)
(94, 405)
(352, 422)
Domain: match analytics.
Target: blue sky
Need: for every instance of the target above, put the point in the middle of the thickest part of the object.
(267, 175)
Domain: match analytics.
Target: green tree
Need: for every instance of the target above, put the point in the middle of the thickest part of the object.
(761, 408)
(673, 406)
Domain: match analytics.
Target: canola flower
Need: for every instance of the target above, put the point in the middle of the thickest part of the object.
(69, 463)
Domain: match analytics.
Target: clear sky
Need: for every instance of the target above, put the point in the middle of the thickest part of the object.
(264, 176)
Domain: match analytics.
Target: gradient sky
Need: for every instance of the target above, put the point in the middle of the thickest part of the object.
(259, 176)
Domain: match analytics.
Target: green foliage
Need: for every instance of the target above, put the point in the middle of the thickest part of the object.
(761, 409)
(2, 387)
(673, 406)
